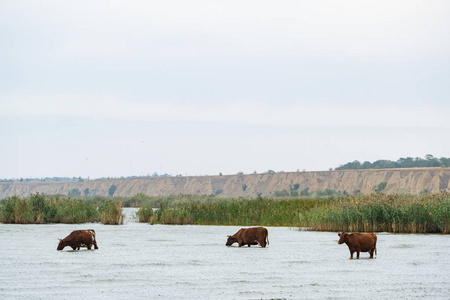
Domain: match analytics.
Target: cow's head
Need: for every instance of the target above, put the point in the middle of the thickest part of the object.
(231, 240)
(61, 244)
(342, 237)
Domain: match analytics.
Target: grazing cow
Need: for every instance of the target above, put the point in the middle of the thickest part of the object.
(77, 239)
(249, 236)
(359, 242)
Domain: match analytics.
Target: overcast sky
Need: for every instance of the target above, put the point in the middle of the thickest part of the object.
(119, 88)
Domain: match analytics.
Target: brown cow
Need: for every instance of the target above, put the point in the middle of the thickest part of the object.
(359, 242)
(249, 236)
(77, 239)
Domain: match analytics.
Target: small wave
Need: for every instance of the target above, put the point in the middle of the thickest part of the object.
(158, 264)
(298, 262)
(404, 246)
(185, 283)
(239, 281)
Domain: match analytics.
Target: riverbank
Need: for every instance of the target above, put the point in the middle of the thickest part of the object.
(272, 184)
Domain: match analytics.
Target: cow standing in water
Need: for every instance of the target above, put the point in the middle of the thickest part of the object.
(77, 239)
(249, 236)
(359, 242)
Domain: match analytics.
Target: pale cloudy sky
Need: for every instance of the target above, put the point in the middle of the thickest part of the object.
(120, 88)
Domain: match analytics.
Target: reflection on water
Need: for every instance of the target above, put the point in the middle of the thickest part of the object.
(188, 262)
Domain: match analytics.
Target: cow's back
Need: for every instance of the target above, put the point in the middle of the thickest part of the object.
(366, 241)
(254, 234)
(79, 238)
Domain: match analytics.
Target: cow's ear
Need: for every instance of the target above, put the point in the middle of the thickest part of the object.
(339, 234)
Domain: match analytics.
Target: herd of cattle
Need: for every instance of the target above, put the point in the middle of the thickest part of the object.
(356, 242)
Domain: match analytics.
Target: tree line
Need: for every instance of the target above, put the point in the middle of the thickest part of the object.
(409, 162)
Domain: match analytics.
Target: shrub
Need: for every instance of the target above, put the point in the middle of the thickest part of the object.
(145, 214)
(111, 213)
(381, 186)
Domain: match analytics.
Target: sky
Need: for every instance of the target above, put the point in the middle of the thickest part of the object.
(129, 88)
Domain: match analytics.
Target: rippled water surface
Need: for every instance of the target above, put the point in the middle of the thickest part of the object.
(190, 262)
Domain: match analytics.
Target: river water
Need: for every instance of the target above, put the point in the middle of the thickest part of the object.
(142, 261)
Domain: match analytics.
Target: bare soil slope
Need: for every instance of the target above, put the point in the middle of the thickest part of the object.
(408, 181)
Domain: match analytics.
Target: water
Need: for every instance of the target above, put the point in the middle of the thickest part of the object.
(142, 261)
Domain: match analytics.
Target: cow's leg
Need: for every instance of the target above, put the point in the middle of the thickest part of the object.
(371, 253)
(357, 254)
(74, 248)
(89, 246)
(351, 254)
(262, 243)
(95, 245)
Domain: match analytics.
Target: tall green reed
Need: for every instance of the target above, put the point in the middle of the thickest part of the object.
(39, 209)
(357, 213)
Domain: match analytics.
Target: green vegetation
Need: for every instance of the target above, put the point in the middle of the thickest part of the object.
(74, 192)
(293, 192)
(40, 209)
(424, 213)
(112, 190)
(111, 213)
(377, 212)
(381, 186)
(305, 192)
(145, 214)
(409, 162)
(234, 212)
(281, 194)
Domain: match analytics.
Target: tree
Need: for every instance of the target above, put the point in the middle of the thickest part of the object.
(432, 161)
(350, 166)
(384, 164)
(305, 192)
(294, 190)
(74, 192)
(406, 162)
(445, 162)
(86, 191)
(366, 165)
(381, 186)
(112, 190)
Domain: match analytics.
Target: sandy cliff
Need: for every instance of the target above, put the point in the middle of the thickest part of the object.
(411, 181)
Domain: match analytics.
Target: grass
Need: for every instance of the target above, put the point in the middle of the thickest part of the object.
(379, 212)
(358, 213)
(40, 209)
(260, 211)
(145, 214)
(424, 213)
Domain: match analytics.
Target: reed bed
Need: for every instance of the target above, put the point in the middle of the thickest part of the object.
(362, 213)
(145, 214)
(380, 212)
(260, 211)
(111, 213)
(40, 209)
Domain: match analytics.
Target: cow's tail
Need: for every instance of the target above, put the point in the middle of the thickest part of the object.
(375, 245)
(267, 238)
